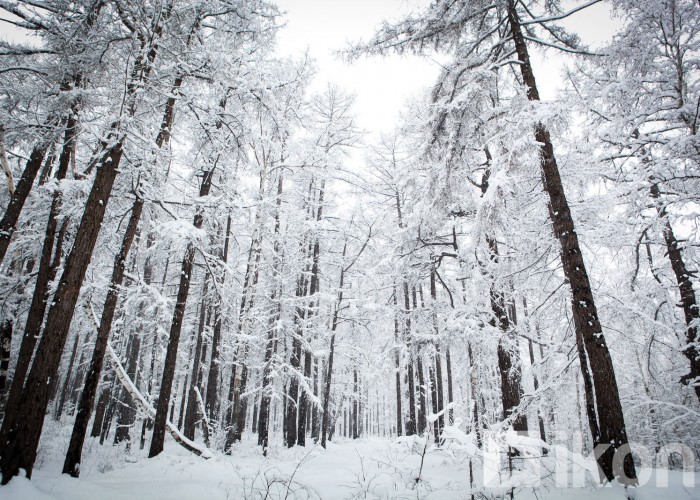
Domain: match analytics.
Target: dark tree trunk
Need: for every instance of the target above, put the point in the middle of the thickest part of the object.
(191, 412)
(536, 384)
(271, 347)
(313, 290)
(24, 426)
(48, 266)
(22, 430)
(397, 366)
(126, 414)
(325, 424)
(422, 393)
(434, 403)
(440, 392)
(355, 405)
(175, 329)
(5, 344)
(476, 425)
(238, 401)
(8, 223)
(450, 397)
(315, 424)
(71, 464)
(101, 407)
(66, 382)
(688, 299)
(211, 400)
(109, 413)
(438, 359)
(609, 430)
(411, 424)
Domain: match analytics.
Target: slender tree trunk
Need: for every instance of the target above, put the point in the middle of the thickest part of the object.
(212, 395)
(450, 397)
(126, 413)
(473, 389)
(325, 424)
(536, 384)
(434, 402)
(397, 366)
(175, 329)
(411, 424)
(191, 412)
(66, 382)
(609, 430)
(270, 349)
(315, 424)
(101, 407)
(355, 405)
(422, 393)
(8, 223)
(5, 343)
(688, 299)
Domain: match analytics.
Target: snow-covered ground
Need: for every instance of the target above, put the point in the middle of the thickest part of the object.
(364, 468)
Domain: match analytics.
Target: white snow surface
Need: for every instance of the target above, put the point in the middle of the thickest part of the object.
(365, 468)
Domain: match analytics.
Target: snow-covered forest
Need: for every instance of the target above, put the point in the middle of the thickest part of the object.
(214, 283)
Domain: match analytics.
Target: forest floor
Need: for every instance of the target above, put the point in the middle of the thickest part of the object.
(364, 468)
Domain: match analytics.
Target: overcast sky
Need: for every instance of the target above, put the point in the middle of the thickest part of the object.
(382, 84)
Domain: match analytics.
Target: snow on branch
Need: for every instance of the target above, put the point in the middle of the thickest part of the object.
(540, 20)
(141, 401)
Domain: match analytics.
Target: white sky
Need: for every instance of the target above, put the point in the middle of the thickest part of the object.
(382, 84)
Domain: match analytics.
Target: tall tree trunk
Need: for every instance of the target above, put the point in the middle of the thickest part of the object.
(212, 395)
(434, 402)
(48, 266)
(239, 378)
(66, 383)
(23, 429)
(325, 424)
(450, 396)
(271, 347)
(24, 426)
(126, 413)
(191, 412)
(101, 407)
(8, 223)
(411, 424)
(688, 299)
(300, 315)
(5, 343)
(71, 464)
(397, 367)
(166, 383)
(315, 424)
(36, 158)
(355, 404)
(609, 429)
(422, 393)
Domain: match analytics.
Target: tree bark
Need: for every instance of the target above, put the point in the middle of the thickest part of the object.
(271, 347)
(397, 366)
(66, 383)
(71, 464)
(609, 431)
(48, 266)
(688, 299)
(411, 424)
(212, 392)
(159, 424)
(191, 412)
